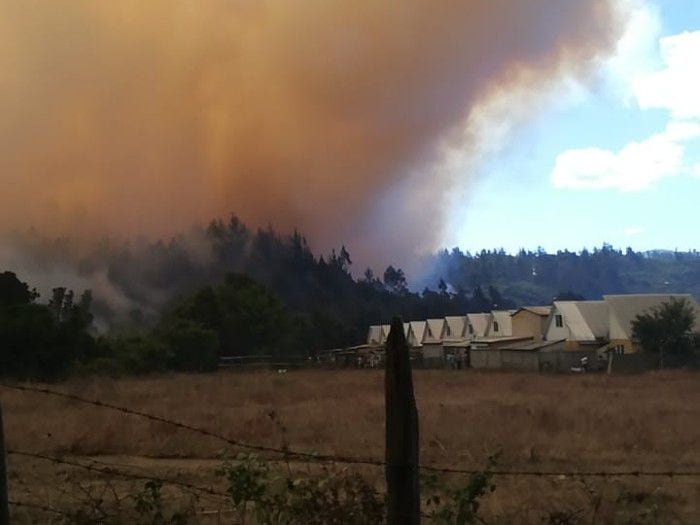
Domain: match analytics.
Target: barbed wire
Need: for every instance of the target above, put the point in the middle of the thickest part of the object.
(285, 452)
(43, 508)
(288, 453)
(111, 471)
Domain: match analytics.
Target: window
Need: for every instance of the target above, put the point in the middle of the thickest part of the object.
(558, 321)
(619, 349)
(471, 329)
(495, 326)
(448, 332)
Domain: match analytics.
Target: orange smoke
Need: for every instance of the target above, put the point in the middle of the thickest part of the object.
(143, 117)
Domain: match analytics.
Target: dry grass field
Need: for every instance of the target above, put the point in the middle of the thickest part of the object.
(586, 422)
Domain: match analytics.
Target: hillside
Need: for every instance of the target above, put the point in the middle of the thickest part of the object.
(536, 277)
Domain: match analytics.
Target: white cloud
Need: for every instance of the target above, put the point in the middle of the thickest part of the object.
(634, 230)
(636, 51)
(676, 86)
(672, 84)
(634, 167)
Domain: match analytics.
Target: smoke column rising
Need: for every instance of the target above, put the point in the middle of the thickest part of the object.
(130, 117)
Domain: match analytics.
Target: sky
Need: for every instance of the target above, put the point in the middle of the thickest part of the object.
(612, 158)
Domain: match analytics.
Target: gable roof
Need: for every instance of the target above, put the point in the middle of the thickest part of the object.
(586, 320)
(374, 335)
(386, 328)
(542, 311)
(416, 332)
(625, 308)
(596, 315)
(433, 332)
(505, 324)
(457, 325)
(480, 323)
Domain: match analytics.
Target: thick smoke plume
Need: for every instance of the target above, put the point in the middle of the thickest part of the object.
(135, 117)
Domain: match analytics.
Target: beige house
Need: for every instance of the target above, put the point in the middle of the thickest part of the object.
(623, 309)
(432, 350)
(500, 324)
(416, 332)
(582, 324)
(530, 321)
(455, 328)
(374, 335)
(477, 325)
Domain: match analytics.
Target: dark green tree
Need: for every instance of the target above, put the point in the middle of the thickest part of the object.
(668, 331)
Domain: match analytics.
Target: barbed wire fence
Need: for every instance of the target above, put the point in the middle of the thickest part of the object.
(271, 454)
(289, 453)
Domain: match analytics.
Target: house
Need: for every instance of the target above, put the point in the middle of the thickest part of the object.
(416, 332)
(495, 343)
(432, 350)
(374, 335)
(500, 324)
(386, 328)
(623, 309)
(477, 325)
(455, 328)
(530, 321)
(583, 325)
(455, 341)
(525, 355)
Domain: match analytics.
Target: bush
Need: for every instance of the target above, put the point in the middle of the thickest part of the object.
(190, 346)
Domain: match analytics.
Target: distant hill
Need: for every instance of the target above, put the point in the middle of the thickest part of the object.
(536, 277)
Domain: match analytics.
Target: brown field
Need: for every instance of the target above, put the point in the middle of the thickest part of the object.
(572, 423)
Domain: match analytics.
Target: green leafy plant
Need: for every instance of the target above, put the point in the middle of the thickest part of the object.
(459, 503)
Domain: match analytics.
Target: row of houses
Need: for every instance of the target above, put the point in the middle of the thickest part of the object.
(554, 337)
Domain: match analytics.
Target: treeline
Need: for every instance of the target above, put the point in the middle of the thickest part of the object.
(232, 291)
(248, 294)
(536, 277)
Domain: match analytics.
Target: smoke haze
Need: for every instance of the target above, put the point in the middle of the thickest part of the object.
(142, 118)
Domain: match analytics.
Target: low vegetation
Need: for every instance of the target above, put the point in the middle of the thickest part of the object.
(563, 423)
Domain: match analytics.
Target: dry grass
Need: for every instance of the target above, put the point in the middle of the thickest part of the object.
(569, 422)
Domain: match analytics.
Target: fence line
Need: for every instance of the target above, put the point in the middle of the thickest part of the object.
(285, 452)
(114, 472)
(43, 508)
(329, 458)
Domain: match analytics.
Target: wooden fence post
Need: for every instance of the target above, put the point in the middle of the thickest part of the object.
(4, 498)
(402, 463)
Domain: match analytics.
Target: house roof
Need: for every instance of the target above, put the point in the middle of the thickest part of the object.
(416, 332)
(504, 320)
(433, 331)
(596, 315)
(533, 346)
(386, 328)
(625, 308)
(480, 323)
(586, 320)
(492, 339)
(374, 335)
(457, 325)
(542, 311)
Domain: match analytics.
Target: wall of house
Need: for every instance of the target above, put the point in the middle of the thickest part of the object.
(520, 360)
(485, 359)
(526, 323)
(562, 361)
(554, 332)
(559, 361)
(433, 356)
(630, 347)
